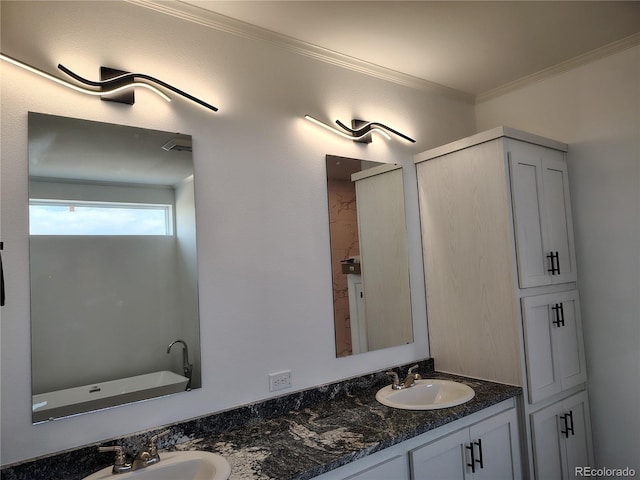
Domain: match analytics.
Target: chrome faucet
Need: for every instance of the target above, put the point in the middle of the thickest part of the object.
(409, 381)
(186, 366)
(149, 456)
(120, 464)
(143, 459)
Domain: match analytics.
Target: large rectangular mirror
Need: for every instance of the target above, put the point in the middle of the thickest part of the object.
(369, 256)
(113, 268)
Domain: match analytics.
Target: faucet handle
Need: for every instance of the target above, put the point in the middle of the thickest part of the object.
(416, 376)
(153, 448)
(120, 456)
(154, 438)
(396, 379)
(120, 464)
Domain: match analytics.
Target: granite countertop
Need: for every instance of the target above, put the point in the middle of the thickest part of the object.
(305, 443)
(293, 437)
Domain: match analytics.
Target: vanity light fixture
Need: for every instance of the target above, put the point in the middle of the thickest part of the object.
(77, 88)
(111, 77)
(115, 85)
(360, 130)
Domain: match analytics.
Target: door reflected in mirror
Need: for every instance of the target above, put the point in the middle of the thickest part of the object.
(369, 256)
(113, 266)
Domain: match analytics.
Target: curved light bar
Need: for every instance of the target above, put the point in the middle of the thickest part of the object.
(346, 135)
(132, 77)
(368, 126)
(77, 88)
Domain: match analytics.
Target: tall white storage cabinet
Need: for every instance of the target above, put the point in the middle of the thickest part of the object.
(502, 296)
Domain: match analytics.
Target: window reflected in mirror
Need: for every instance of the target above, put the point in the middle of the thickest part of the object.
(369, 257)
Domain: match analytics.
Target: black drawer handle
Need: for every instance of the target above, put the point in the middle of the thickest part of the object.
(473, 458)
(568, 420)
(555, 263)
(479, 460)
(2, 296)
(558, 310)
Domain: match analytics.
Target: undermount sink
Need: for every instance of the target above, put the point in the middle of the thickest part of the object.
(426, 395)
(189, 465)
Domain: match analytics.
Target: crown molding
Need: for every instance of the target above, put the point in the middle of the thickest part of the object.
(230, 25)
(207, 18)
(604, 51)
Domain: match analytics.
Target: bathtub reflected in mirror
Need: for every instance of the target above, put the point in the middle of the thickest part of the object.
(113, 269)
(71, 401)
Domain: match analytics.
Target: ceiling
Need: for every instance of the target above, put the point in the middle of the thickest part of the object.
(83, 151)
(473, 47)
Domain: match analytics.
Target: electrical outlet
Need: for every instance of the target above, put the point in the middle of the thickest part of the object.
(279, 380)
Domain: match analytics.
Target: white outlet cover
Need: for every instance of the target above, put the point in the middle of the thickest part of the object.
(279, 380)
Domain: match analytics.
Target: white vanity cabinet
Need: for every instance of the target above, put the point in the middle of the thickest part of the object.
(554, 347)
(394, 467)
(500, 268)
(562, 438)
(486, 450)
(443, 453)
(542, 215)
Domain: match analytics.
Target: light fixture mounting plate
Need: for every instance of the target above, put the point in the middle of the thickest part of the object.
(127, 96)
(357, 125)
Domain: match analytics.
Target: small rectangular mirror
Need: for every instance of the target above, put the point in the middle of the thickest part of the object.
(113, 269)
(369, 255)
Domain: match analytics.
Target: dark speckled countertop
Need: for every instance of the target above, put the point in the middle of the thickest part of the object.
(306, 443)
(294, 437)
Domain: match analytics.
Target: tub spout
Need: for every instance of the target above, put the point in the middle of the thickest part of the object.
(186, 366)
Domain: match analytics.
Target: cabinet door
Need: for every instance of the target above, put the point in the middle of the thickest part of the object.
(487, 450)
(547, 443)
(542, 215)
(562, 438)
(559, 226)
(395, 467)
(497, 454)
(554, 350)
(579, 450)
(443, 459)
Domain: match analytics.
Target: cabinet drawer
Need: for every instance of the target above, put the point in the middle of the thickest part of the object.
(393, 468)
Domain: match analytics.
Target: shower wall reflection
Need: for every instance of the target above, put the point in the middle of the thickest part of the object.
(343, 218)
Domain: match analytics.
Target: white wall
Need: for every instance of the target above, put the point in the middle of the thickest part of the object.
(263, 236)
(595, 108)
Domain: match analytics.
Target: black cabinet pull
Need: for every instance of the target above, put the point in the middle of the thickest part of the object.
(479, 460)
(555, 263)
(2, 297)
(558, 310)
(564, 432)
(473, 458)
(570, 429)
(567, 417)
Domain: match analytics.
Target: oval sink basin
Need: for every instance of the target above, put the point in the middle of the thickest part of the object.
(190, 465)
(426, 395)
